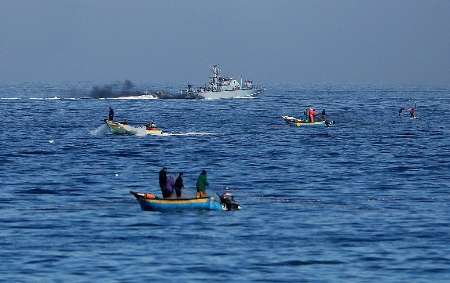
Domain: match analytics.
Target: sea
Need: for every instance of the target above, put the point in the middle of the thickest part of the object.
(366, 200)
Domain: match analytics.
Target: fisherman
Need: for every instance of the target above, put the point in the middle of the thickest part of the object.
(400, 111)
(311, 114)
(179, 184)
(323, 116)
(163, 181)
(169, 186)
(151, 126)
(202, 183)
(111, 114)
(306, 114)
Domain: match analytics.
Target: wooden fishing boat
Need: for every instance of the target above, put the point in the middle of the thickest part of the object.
(300, 122)
(122, 128)
(151, 202)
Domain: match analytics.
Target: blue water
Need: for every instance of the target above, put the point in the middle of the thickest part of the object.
(365, 201)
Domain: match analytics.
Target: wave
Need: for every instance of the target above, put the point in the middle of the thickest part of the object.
(10, 98)
(189, 134)
(46, 98)
(141, 131)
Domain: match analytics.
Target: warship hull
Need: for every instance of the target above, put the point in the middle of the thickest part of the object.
(238, 93)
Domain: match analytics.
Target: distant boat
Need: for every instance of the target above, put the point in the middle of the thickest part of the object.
(219, 87)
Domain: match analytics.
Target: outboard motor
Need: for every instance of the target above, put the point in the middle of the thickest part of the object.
(227, 199)
(329, 123)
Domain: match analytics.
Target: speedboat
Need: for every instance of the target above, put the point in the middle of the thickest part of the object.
(122, 128)
(151, 202)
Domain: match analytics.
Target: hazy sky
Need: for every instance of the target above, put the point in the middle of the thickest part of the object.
(311, 41)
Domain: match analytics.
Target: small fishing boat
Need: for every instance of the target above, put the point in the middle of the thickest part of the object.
(122, 128)
(299, 122)
(151, 202)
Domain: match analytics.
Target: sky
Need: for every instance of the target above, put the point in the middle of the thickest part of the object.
(272, 41)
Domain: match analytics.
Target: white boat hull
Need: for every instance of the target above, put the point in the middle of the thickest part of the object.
(239, 93)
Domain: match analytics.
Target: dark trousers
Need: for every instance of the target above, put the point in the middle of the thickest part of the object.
(178, 192)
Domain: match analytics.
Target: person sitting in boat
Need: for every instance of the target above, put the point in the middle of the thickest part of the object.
(179, 184)
(400, 111)
(163, 181)
(111, 114)
(202, 184)
(151, 126)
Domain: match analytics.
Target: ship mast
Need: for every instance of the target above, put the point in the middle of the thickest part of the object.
(215, 78)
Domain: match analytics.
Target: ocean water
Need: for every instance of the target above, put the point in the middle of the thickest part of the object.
(364, 201)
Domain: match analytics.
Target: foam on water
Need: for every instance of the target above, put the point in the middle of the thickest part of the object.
(188, 134)
(139, 131)
(100, 130)
(46, 98)
(139, 97)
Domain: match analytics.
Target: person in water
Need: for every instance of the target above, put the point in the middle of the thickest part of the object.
(111, 114)
(412, 112)
(179, 184)
(163, 181)
(202, 184)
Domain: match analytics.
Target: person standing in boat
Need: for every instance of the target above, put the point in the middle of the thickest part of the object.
(202, 184)
(312, 113)
(323, 116)
(169, 186)
(306, 114)
(163, 181)
(179, 184)
(111, 114)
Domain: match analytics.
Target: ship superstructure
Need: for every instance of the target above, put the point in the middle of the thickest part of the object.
(223, 87)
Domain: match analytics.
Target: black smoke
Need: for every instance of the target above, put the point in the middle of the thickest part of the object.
(127, 88)
(118, 89)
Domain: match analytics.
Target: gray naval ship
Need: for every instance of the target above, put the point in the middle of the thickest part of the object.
(220, 87)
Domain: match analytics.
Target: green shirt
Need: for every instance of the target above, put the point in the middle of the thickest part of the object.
(202, 183)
